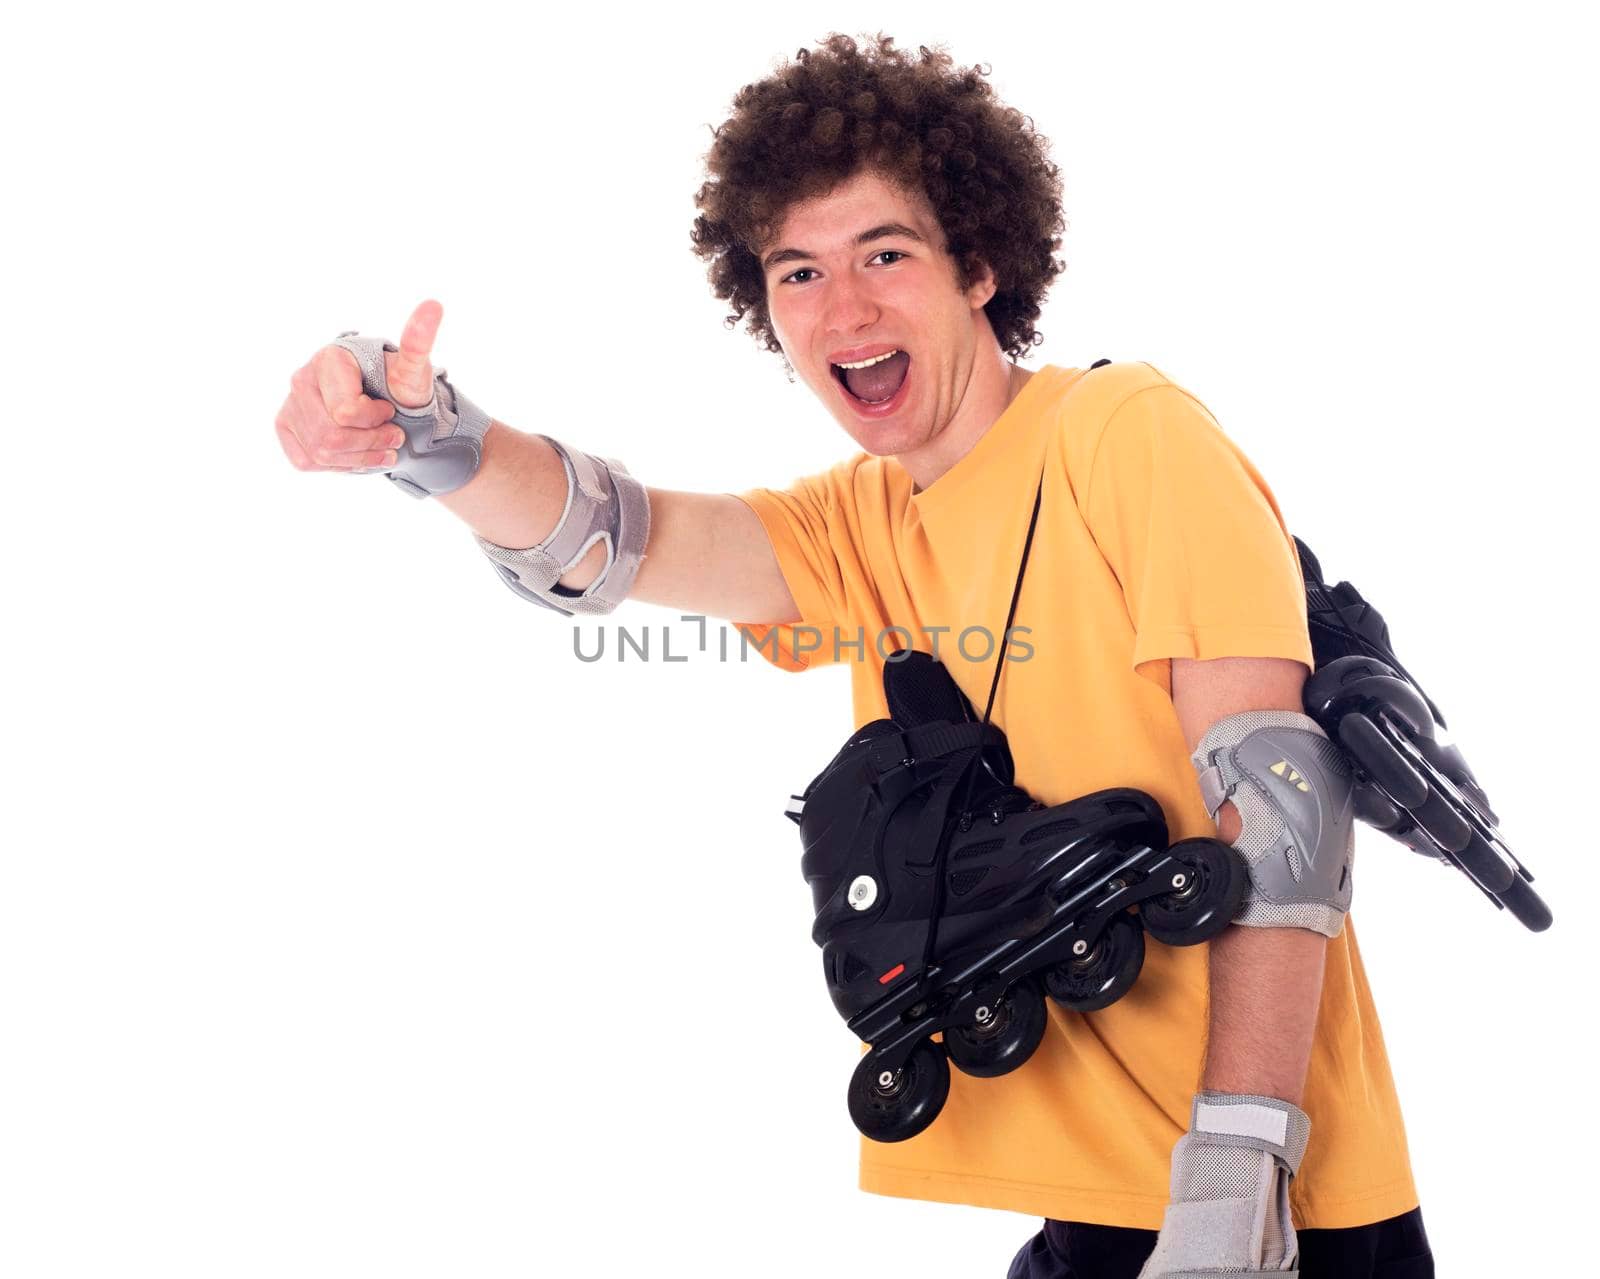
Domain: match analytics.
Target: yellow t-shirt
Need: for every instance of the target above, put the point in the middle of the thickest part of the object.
(1156, 539)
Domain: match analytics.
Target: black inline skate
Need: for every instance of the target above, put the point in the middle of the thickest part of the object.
(946, 897)
(1409, 785)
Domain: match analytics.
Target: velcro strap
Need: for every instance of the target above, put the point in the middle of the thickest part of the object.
(926, 741)
(1279, 1128)
(586, 473)
(577, 529)
(1260, 1122)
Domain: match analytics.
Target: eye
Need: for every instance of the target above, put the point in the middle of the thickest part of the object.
(794, 276)
(894, 254)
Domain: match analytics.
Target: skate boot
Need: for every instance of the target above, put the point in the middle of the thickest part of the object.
(1409, 784)
(949, 900)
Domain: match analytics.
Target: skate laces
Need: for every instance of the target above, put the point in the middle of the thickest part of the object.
(997, 805)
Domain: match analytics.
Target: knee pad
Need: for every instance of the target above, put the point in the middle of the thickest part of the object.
(444, 437)
(1294, 791)
(604, 504)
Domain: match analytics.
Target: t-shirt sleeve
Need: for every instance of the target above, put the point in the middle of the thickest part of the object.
(805, 528)
(1194, 536)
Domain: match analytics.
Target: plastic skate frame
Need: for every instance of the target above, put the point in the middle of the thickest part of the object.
(1100, 880)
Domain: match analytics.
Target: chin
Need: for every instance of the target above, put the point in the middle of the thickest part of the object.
(887, 439)
(881, 439)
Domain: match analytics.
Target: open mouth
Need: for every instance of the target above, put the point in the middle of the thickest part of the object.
(875, 380)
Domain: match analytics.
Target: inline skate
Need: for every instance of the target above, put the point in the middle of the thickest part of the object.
(949, 900)
(1409, 784)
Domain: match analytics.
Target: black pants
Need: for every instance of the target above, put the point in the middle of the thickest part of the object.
(1392, 1249)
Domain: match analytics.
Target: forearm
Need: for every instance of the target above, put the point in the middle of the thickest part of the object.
(1266, 984)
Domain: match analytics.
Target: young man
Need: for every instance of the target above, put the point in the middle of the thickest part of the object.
(880, 220)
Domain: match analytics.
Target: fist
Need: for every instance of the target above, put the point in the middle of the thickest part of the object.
(328, 423)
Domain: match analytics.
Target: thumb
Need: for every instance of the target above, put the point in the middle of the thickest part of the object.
(410, 374)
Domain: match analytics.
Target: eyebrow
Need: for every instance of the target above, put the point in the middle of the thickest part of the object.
(886, 231)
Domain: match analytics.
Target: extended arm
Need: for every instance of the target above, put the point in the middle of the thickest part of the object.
(361, 405)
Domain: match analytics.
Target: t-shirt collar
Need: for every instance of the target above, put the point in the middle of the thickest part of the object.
(1007, 433)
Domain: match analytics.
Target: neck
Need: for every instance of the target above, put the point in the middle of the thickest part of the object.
(990, 387)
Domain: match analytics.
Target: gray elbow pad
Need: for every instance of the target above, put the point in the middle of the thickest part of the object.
(1294, 792)
(604, 504)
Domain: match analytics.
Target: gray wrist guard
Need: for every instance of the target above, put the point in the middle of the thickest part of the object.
(604, 504)
(1229, 1213)
(444, 437)
(1293, 789)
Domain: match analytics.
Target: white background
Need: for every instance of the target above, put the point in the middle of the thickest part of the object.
(350, 926)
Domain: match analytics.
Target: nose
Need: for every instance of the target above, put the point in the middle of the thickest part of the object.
(848, 305)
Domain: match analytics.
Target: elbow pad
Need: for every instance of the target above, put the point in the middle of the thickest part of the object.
(1294, 792)
(604, 504)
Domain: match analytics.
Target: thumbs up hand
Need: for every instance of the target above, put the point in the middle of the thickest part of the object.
(364, 404)
(328, 422)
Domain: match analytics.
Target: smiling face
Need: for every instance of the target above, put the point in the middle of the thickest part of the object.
(873, 316)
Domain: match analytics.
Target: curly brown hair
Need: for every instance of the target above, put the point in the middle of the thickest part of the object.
(922, 123)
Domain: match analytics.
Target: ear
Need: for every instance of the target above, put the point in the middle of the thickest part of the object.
(981, 284)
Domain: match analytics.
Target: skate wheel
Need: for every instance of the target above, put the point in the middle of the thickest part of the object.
(1453, 833)
(905, 1103)
(1487, 867)
(1001, 1044)
(1525, 904)
(1218, 881)
(1379, 756)
(1105, 974)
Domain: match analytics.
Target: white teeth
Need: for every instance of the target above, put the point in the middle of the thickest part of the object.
(867, 364)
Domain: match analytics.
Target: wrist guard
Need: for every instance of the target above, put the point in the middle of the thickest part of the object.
(1229, 1212)
(444, 437)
